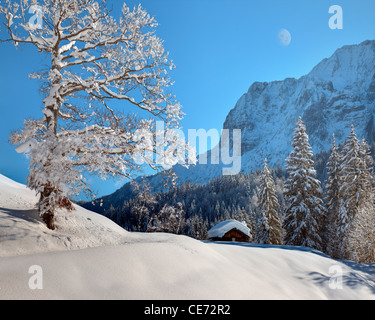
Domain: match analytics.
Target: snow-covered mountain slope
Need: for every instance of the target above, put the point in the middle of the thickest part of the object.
(89, 257)
(338, 92)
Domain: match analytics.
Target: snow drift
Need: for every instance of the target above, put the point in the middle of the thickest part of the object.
(90, 257)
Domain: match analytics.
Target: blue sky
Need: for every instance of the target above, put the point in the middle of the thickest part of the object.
(220, 47)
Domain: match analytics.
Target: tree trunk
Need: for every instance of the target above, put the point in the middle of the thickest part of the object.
(49, 219)
(49, 215)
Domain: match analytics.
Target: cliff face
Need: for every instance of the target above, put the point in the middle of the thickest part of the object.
(338, 92)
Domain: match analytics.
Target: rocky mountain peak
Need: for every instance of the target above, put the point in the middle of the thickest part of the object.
(338, 92)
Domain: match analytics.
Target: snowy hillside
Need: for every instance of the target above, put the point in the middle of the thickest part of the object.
(90, 257)
(22, 231)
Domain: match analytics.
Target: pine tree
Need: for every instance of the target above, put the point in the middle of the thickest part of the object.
(268, 207)
(356, 218)
(333, 198)
(245, 218)
(217, 209)
(362, 235)
(362, 231)
(352, 168)
(142, 205)
(198, 227)
(253, 226)
(304, 211)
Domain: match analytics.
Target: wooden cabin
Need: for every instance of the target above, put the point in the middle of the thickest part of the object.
(229, 230)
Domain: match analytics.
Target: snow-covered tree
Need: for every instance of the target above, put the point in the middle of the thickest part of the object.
(169, 219)
(198, 227)
(357, 194)
(268, 209)
(361, 239)
(142, 204)
(93, 60)
(362, 230)
(245, 218)
(333, 199)
(304, 210)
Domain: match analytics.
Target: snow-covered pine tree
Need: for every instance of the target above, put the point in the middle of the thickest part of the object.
(304, 210)
(198, 227)
(333, 199)
(245, 218)
(362, 238)
(268, 209)
(356, 190)
(142, 205)
(356, 220)
(168, 219)
(217, 209)
(93, 60)
(362, 235)
(253, 226)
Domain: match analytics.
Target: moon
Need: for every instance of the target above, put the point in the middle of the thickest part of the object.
(284, 37)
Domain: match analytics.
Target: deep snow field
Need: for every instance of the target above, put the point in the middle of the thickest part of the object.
(90, 257)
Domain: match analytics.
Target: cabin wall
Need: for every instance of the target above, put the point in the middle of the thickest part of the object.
(233, 235)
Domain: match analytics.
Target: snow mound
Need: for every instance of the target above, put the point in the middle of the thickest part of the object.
(222, 228)
(14, 195)
(90, 257)
(22, 231)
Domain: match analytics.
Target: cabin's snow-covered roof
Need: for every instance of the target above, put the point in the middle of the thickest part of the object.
(222, 228)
